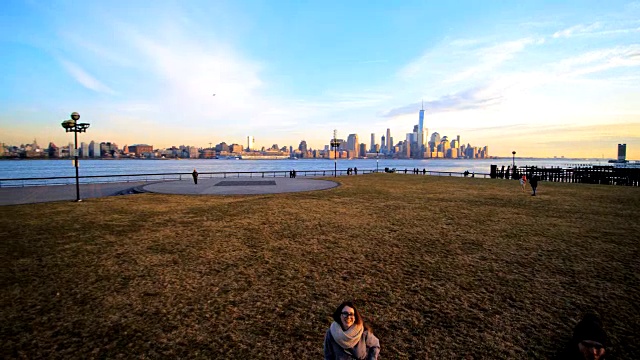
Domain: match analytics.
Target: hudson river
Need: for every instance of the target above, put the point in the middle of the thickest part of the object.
(48, 168)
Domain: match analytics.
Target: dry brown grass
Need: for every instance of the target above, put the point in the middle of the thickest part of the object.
(441, 267)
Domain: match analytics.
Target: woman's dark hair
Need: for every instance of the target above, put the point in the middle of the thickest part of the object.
(358, 318)
(590, 328)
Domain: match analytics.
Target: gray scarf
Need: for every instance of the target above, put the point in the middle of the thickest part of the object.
(349, 338)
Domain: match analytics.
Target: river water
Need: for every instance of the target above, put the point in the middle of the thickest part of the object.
(11, 169)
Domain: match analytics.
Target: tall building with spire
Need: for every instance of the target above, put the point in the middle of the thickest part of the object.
(389, 145)
(422, 136)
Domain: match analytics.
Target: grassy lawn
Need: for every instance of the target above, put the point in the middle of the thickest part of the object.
(441, 268)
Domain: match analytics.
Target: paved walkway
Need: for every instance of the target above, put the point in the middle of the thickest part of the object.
(214, 186)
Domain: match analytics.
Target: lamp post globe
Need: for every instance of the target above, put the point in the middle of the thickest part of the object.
(75, 116)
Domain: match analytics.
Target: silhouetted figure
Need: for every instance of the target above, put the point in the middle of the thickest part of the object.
(355, 171)
(534, 184)
(502, 172)
(294, 173)
(195, 176)
(589, 341)
(466, 173)
(424, 171)
(405, 170)
(507, 174)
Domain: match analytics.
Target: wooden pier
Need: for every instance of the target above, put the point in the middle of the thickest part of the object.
(605, 175)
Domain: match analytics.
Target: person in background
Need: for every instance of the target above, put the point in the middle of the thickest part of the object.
(195, 176)
(589, 341)
(534, 184)
(523, 181)
(349, 337)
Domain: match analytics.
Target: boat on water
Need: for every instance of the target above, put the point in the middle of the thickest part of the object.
(230, 157)
(264, 157)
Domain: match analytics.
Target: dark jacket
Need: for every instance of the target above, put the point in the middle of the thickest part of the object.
(367, 348)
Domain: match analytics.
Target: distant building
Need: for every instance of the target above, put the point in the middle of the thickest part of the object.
(94, 149)
(235, 148)
(251, 143)
(222, 147)
(622, 152)
(140, 149)
(84, 149)
(352, 145)
(389, 141)
(363, 150)
(303, 147)
(373, 142)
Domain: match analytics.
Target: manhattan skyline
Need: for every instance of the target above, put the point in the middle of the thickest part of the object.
(544, 79)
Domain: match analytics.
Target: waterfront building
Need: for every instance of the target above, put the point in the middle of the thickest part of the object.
(251, 143)
(389, 141)
(352, 144)
(303, 146)
(373, 142)
(622, 152)
(94, 149)
(235, 148)
(222, 147)
(140, 149)
(84, 149)
(383, 146)
(421, 131)
(363, 150)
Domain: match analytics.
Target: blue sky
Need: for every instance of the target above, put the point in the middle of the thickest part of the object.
(541, 78)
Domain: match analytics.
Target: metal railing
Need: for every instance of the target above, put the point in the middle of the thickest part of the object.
(98, 179)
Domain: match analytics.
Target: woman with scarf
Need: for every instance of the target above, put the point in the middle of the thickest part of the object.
(348, 337)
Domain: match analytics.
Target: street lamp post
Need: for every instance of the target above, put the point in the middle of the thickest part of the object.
(72, 125)
(335, 144)
(377, 154)
(514, 159)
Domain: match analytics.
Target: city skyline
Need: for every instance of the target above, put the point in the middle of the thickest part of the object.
(543, 79)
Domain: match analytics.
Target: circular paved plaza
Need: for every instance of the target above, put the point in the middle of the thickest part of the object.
(238, 186)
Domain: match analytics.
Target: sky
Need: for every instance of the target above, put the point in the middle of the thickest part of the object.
(542, 78)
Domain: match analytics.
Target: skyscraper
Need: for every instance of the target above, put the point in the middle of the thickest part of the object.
(622, 152)
(421, 134)
(352, 144)
(388, 140)
(251, 143)
(373, 143)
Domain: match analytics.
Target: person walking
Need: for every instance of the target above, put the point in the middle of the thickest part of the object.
(534, 184)
(349, 337)
(355, 171)
(195, 176)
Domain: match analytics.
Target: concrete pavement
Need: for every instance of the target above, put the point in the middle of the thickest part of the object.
(212, 186)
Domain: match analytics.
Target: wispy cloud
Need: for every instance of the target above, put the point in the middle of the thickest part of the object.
(491, 57)
(600, 60)
(577, 30)
(84, 78)
(475, 98)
